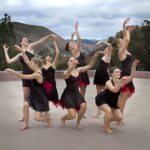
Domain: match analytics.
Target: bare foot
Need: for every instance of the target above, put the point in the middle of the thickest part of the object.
(21, 120)
(24, 128)
(62, 123)
(109, 131)
(79, 127)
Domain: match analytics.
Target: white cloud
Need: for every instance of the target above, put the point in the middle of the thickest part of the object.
(98, 18)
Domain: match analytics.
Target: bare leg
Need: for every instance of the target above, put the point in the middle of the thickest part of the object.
(45, 117)
(83, 91)
(122, 102)
(26, 92)
(117, 115)
(71, 115)
(26, 115)
(81, 114)
(107, 118)
(99, 90)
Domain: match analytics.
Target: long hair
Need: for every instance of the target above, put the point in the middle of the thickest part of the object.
(67, 46)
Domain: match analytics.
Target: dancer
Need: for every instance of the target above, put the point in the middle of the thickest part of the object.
(37, 98)
(126, 60)
(71, 98)
(76, 53)
(108, 99)
(29, 51)
(48, 71)
(101, 74)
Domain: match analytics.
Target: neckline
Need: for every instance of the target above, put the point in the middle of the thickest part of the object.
(48, 67)
(29, 52)
(74, 76)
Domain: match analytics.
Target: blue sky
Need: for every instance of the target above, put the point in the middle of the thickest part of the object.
(98, 18)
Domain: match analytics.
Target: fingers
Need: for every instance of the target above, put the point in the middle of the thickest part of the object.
(76, 25)
(8, 69)
(5, 47)
(135, 62)
(18, 48)
(98, 43)
(126, 21)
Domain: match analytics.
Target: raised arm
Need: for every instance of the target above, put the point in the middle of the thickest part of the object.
(128, 79)
(72, 37)
(8, 59)
(56, 59)
(67, 73)
(78, 36)
(34, 45)
(108, 52)
(20, 75)
(125, 27)
(91, 63)
(26, 59)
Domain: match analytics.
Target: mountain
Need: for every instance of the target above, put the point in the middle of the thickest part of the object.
(88, 45)
(34, 33)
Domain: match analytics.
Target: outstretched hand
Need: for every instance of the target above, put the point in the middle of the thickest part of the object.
(126, 21)
(98, 43)
(9, 70)
(5, 47)
(135, 62)
(18, 48)
(54, 37)
(75, 62)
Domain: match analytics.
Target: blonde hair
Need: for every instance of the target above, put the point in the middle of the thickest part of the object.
(38, 60)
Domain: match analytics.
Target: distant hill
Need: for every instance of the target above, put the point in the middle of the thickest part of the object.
(88, 45)
(34, 33)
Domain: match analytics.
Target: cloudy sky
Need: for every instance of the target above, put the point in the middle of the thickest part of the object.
(98, 18)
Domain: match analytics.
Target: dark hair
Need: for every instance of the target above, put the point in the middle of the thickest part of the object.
(20, 40)
(112, 41)
(111, 70)
(67, 46)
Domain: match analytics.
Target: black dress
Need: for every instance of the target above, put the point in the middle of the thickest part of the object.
(101, 74)
(26, 69)
(50, 85)
(108, 97)
(38, 98)
(126, 71)
(84, 78)
(71, 97)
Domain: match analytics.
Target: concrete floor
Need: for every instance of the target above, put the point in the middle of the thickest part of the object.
(135, 135)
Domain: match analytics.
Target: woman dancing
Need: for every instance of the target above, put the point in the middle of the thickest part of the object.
(101, 74)
(126, 60)
(108, 99)
(71, 98)
(48, 71)
(37, 98)
(29, 51)
(76, 53)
